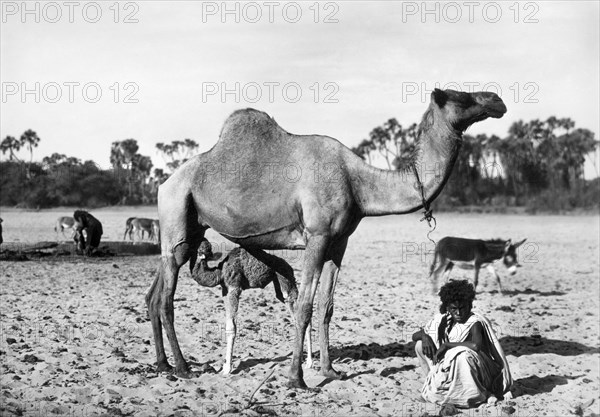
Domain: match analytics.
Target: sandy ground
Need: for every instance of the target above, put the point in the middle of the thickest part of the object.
(76, 339)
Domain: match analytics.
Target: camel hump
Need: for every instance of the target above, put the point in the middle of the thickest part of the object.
(251, 125)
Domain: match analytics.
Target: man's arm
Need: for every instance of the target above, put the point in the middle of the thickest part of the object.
(475, 343)
(429, 348)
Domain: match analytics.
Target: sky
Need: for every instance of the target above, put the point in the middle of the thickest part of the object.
(86, 74)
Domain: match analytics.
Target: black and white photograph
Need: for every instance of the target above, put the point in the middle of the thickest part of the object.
(300, 208)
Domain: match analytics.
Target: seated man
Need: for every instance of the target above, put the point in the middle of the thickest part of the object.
(93, 229)
(460, 353)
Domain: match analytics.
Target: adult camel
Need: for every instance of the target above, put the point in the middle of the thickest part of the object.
(265, 188)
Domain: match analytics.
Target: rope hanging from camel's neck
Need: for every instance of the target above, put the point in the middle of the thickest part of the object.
(427, 210)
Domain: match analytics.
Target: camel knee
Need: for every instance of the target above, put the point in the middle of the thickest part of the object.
(176, 257)
(303, 315)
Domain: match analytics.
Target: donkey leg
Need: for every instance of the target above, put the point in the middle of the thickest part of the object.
(476, 279)
(447, 271)
(492, 271)
(435, 275)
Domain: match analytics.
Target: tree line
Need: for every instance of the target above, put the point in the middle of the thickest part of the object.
(539, 165)
(61, 180)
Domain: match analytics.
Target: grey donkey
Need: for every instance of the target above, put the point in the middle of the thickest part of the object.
(240, 271)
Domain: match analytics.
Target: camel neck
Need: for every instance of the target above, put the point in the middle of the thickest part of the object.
(382, 192)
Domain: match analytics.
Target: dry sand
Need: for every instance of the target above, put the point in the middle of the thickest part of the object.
(76, 339)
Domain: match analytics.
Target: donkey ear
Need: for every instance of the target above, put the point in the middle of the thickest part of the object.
(439, 97)
(520, 243)
(507, 244)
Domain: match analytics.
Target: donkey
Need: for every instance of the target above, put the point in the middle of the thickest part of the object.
(473, 253)
(155, 231)
(136, 225)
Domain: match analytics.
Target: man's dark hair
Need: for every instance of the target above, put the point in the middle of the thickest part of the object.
(456, 291)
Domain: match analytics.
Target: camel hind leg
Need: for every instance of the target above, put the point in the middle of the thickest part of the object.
(182, 236)
(153, 301)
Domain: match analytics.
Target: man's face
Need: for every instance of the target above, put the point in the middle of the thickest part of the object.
(459, 311)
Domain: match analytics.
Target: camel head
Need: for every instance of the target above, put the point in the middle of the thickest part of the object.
(461, 110)
(205, 250)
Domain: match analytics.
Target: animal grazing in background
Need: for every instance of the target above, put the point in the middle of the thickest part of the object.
(84, 221)
(293, 210)
(137, 226)
(241, 271)
(156, 231)
(473, 253)
(63, 223)
(128, 228)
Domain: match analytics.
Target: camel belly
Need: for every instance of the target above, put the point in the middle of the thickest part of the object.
(285, 238)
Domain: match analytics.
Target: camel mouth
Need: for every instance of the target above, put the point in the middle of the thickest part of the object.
(496, 110)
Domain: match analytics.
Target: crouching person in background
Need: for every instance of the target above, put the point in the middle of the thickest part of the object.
(93, 229)
(460, 354)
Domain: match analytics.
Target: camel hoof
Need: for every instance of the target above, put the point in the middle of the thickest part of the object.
(164, 367)
(296, 383)
(187, 373)
(333, 374)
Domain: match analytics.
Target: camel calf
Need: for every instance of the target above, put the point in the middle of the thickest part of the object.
(240, 271)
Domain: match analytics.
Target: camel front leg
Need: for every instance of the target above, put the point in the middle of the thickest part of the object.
(314, 256)
(309, 357)
(330, 274)
(231, 309)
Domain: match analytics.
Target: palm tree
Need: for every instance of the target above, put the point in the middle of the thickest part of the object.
(31, 139)
(10, 144)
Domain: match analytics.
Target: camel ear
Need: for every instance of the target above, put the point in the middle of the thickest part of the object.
(439, 97)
